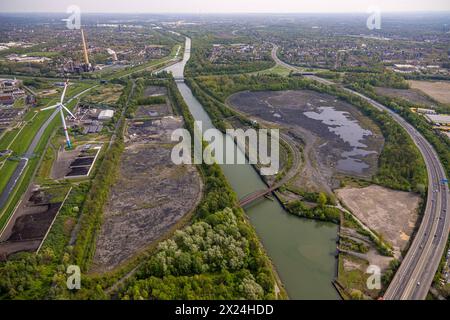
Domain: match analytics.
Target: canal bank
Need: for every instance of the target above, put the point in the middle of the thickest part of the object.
(303, 251)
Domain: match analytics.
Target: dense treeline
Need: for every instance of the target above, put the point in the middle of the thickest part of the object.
(92, 211)
(320, 212)
(212, 259)
(217, 111)
(434, 77)
(400, 164)
(385, 79)
(313, 205)
(151, 100)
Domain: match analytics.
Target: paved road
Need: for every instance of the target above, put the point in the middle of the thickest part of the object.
(20, 169)
(413, 279)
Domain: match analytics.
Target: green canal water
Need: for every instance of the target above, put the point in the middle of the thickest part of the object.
(302, 250)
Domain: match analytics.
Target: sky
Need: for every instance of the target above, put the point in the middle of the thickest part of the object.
(223, 6)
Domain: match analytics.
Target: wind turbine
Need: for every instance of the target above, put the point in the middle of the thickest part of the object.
(60, 106)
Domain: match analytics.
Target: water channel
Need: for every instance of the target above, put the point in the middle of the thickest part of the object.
(302, 251)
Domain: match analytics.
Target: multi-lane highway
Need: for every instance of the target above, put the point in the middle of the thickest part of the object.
(416, 272)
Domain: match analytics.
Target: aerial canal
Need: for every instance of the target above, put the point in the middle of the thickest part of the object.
(302, 250)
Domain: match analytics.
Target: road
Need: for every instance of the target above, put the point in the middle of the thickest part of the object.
(414, 277)
(20, 169)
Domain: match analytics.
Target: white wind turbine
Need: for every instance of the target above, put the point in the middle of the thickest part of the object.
(60, 106)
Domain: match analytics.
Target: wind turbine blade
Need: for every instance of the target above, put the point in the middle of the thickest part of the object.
(64, 91)
(68, 111)
(51, 107)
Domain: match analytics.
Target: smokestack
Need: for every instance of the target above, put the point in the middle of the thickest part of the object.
(86, 57)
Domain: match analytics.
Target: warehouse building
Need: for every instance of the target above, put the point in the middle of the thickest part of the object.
(438, 119)
(106, 115)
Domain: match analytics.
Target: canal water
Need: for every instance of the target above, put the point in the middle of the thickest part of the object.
(302, 250)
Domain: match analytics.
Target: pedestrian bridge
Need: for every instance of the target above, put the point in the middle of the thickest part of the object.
(257, 195)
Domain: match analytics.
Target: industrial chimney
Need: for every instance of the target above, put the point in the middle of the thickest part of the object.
(87, 66)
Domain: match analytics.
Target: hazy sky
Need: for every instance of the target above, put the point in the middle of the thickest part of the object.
(222, 6)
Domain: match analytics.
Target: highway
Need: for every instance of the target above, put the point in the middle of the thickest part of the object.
(414, 277)
(20, 169)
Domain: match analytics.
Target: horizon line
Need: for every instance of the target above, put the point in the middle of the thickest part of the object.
(229, 12)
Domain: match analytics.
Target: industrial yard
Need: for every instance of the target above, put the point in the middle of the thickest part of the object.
(77, 163)
(32, 220)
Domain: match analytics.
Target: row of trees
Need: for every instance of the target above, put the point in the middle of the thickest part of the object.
(319, 212)
(92, 210)
(384, 79)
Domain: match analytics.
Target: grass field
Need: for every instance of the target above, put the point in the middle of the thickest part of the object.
(7, 137)
(108, 94)
(43, 54)
(6, 171)
(278, 69)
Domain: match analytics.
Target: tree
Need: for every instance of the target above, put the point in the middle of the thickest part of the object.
(322, 199)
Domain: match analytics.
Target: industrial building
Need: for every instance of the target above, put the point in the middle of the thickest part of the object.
(424, 111)
(6, 98)
(106, 115)
(438, 119)
(26, 59)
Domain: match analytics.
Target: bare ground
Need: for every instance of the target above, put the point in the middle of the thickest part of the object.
(393, 214)
(155, 91)
(149, 198)
(438, 90)
(324, 149)
(29, 223)
(411, 95)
